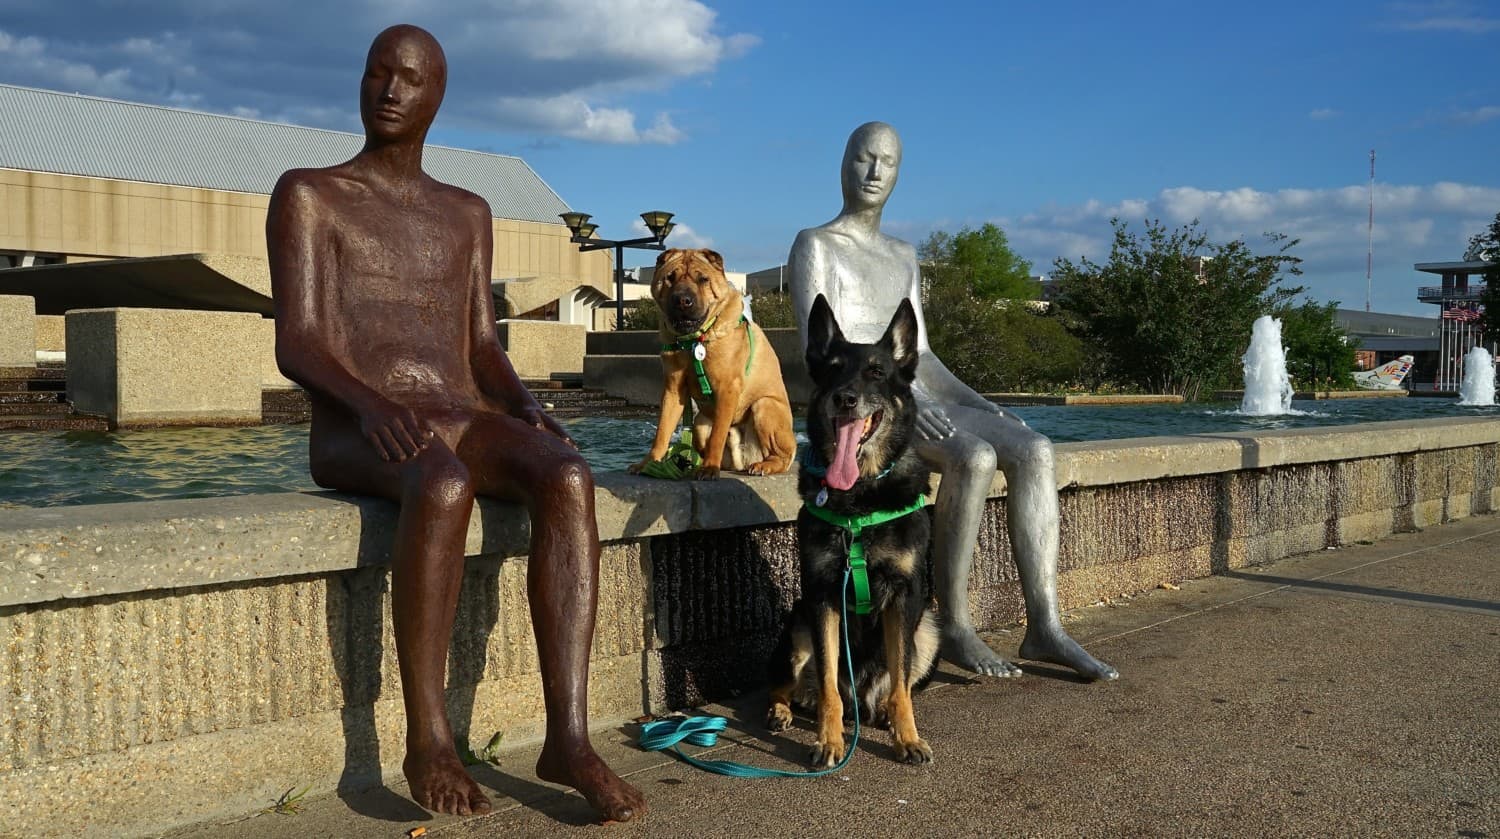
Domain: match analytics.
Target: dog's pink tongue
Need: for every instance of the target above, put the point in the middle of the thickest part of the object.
(844, 470)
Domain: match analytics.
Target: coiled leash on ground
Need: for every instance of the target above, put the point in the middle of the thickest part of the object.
(664, 735)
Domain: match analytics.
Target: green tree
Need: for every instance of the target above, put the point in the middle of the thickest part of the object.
(1171, 312)
(980, 259)
(997, 346)
(1484, 246)
(641, 314)
(1319, 353)
(773, 310)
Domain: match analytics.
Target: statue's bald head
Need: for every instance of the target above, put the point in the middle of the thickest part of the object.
(868, 133)
(405, 77)
(872, 159)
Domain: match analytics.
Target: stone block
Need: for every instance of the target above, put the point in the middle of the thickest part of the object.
(17, 334)
(540, 349)
(634, 378)
(147, 367)
(265, 354)
(51, 333)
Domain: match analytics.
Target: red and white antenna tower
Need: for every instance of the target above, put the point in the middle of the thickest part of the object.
(1370, 254)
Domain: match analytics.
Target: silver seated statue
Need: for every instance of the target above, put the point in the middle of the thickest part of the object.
(864, 274)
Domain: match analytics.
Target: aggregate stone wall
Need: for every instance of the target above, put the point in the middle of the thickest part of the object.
(261, 686)
(720, 597)
(17, 334)
(170, 662)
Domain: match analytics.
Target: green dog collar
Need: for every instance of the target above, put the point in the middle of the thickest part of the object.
(695, 344)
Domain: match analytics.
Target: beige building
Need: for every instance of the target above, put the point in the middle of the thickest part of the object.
(84, 179)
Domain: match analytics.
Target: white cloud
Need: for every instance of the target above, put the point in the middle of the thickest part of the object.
(563, 68)
(682, 236)
(1442, 16)
(33, 61)
(572, 116)
(1477, 115)
(1322, 113)
(1413, 223)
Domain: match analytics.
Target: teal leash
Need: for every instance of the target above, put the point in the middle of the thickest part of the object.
(664, 735)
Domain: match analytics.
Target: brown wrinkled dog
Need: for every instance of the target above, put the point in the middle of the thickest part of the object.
(745, 414)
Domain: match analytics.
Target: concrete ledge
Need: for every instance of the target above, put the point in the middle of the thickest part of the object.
(225, 649)
(1238, 395)
(1022, 399)
(66, 553)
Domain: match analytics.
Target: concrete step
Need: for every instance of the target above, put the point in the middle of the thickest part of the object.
(35, 409)
(561, 380)
(69, 422)
(29, 397)
(32, 385)
(43, 371)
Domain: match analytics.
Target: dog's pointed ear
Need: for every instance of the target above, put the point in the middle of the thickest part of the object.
(667, 256)
(713, 258)
(901, 336)
(822, 332)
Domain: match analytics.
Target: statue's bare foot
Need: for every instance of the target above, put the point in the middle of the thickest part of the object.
(580, 768)
(962, 647)
(440, 783)
(1056, 647)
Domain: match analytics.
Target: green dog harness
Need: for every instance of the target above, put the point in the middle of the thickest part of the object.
(859, 573)
(695, 344)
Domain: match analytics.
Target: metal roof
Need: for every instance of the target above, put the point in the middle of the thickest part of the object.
(1472, 267)
(70, 134)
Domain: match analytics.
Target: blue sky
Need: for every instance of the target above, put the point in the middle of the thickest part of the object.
(1046, 119)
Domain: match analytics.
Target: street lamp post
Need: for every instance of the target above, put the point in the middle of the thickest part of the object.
(658, 222)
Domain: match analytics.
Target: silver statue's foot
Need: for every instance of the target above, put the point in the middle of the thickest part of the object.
(1054, 646)
(960, 646)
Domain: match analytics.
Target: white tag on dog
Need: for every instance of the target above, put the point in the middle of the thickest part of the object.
(700, 352)
(822, 497)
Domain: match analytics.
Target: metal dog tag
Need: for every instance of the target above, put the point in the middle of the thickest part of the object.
(700, 352)
(822, 497)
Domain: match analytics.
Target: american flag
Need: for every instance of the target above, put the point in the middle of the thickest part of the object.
(1461, 314)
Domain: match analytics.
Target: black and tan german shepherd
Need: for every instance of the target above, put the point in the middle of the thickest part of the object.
(860, 422)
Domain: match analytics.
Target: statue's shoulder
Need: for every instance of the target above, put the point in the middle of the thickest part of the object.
(899, 246)
(824, 237)
(472, 205)
(308, 184)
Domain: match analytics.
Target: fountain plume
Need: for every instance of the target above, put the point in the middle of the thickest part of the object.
(1268, 388)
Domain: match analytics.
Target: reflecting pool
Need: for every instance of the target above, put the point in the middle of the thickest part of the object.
(44, 468)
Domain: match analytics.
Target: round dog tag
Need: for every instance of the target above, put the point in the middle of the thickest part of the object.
(822, 497)
(700, 352)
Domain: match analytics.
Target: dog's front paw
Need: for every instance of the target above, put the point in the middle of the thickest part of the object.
(917, 751)
(827, 753)
(768, 467)
(706, 473)
(779, 717)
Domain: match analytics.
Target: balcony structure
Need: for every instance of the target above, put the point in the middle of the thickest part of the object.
(1458, 311)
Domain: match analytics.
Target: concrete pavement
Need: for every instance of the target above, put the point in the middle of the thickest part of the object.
(1351, 692)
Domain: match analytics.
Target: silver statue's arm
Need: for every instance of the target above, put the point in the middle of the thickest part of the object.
(808, 276)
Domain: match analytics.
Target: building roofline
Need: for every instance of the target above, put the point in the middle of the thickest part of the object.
(1472, 266)
(236, 118)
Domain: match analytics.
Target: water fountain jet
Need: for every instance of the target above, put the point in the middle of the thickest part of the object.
(1478, 386)
(1268, 388)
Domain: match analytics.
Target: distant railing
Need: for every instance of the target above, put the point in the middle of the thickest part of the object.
(1439, 294)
